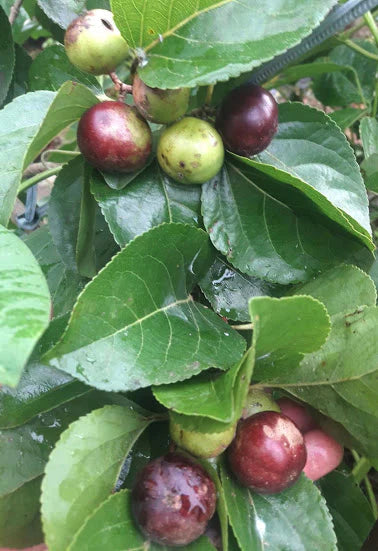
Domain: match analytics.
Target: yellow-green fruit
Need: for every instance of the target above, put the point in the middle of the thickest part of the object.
(94, 44)
(258, 400)
(159, 106)
(200, 444)
(190, 151)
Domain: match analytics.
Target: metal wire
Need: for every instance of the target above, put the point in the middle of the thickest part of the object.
(336, 20)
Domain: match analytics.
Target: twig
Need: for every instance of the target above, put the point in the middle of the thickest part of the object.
(14, 11)
(243, 327)
(39, 177)
(361, 469)
(358, 49)
(371, 496)
(120, 86)
(209, 94)
(370, 22)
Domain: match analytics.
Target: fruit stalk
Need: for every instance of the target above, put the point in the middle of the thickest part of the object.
(120, 86)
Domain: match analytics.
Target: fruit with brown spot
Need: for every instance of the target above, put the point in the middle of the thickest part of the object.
(94, 44)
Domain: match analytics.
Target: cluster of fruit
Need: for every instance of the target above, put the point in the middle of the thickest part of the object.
(174, 497)
(116, 137)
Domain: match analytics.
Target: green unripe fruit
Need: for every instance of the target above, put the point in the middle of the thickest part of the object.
(198, 443)
(160, 106)
(94, 44)
(257, 401)
(190, 151)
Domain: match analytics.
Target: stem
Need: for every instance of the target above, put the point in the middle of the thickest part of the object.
(14, 11)
(243, 327)
(371, 496)
(375, 103)
(209, 94)
(60, 151)
(358, 48)
(361, 469)
(39, 177)
(369, 20)
(120, 86)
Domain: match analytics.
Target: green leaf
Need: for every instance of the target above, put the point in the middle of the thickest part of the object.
(83, 469)
(20, 523)
(146, 329)
(211, 40)
(356, 86)
(64, 284)
(321, 165)
(374, 272)
(352, 515)
(52, 68)
(369, 136)
(121, 533)
(85, 245)
(319, 67)
(27, 125)
(24, 305)
(346, 117)
(40, 388)
(149, 200)
(7, 55)
(295, 519)
(67, 218)
(229, 291)
(341, 289)
(218, 396)
(284, 330)
(264, 238)
(24, 450)
(62, 12)
(20, 81)
(24, 26)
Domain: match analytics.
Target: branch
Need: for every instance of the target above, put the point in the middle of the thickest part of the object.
(14, 11)
(120, 86)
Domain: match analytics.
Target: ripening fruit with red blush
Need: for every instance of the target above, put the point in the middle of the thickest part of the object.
(324, 454)
(173, 500)
(113, 137)
(247, 120)
(298, 414)
(268, 452)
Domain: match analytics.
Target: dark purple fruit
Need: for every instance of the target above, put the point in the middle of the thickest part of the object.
(113, 137)
(173, 500)
(268, 453)
(247, 119)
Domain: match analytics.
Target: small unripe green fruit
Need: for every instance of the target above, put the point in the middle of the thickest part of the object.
(257, 401)
(160, 106)
(200, 444)
(190, 151)
(94, 44)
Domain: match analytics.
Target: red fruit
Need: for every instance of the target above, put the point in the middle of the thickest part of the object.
(173, 500)
(298, 414)
(113, 137)
(247, 119)
(268, 452)
(323, 454)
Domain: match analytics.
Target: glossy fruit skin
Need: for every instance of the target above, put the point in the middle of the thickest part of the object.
(173, 500)
(258, 400)
(160, 106)
(268, 452)
(324, 454)
(190, 151)
(298, 414)
(200, 444)
(247, 120)
(113, 137)
(94, 44)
